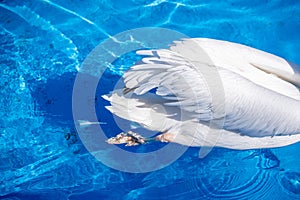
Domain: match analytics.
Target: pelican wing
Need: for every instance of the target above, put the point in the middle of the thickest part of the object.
(180, 95)
(174, 79)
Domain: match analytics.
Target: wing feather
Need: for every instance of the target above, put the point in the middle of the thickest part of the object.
(240, 59)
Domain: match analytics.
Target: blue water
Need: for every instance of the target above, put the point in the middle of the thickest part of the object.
(42, 45)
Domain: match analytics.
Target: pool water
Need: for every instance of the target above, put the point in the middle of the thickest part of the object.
(42, 46)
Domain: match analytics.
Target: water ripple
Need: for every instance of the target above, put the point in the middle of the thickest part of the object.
(209, 179)
(60, 41)
(290, 181)
(47, 38)
(78, 15)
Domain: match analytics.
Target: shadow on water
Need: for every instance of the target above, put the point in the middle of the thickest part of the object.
(53, 101)
(54, 98)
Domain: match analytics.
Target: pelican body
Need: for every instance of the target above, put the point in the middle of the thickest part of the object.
(251, 96)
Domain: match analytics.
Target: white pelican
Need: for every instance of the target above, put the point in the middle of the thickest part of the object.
(166, 93)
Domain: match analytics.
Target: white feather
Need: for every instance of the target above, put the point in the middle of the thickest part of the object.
(261, 95)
